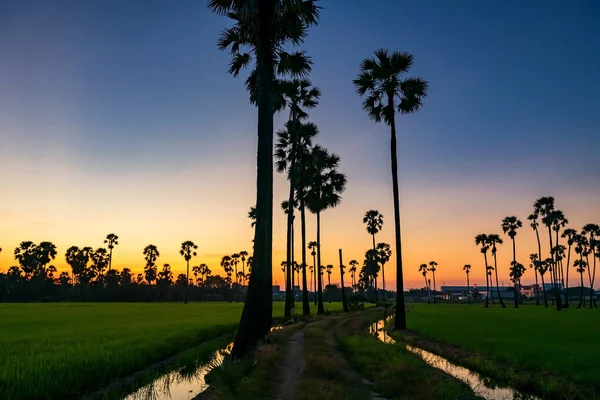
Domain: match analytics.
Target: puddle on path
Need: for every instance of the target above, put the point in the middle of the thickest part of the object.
(180, 385)
(480, 385)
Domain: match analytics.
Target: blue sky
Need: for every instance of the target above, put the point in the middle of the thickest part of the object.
(132, 101)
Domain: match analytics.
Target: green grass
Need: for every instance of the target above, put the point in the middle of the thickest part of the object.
(531, 337)
(61, 350)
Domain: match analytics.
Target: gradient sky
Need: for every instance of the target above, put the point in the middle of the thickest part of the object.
(120, 117)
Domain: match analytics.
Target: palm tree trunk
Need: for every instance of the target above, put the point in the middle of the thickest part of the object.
(257, 314)
(567, 278)
(320, 308)
(592, 297)
(544, 289)
(187, 279)
(344, 303)
(315, 278)
(400, 319)
(468, 289)
(581, 298)
(497, 286)
(383, 280)
(434, 289)
(537, 292)
(110, 260)
(427, 288)
(305, 301)
(554, 275)
(487, 282)
(514, 266)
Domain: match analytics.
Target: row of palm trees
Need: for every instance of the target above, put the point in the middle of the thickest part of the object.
(584, 243)
(263, 37)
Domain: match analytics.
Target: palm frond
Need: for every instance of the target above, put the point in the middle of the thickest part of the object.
(413, 90)
(238, 62)
(296, 64)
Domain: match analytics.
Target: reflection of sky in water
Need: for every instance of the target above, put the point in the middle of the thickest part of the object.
(177, 385)
(180, 385)
(480, 385)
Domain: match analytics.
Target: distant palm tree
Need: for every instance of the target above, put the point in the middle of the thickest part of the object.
(493, 241)
(482, 240)
(312, 245)
(533, 218)
(151, 255)
(467, 269)
(289, 281)
(388, 91)
(112, 241)
(581, 266)
(374, 221)
(284, 269)
(100, 261)
(353, 264)
(372, 268)
(516, 272)
(324, 191)
(329, 269)
(187, 251)
(544, 206)
(539, 267)
(570, 235)
(510, 226)
(196, 270)
(423, 271)
(235, 257)
(432, 265)
(593, 231)
(383, 254)
(226, 265)
(243, 256)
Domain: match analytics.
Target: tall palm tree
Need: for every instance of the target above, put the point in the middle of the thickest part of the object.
(570, 235)
(516, 272)
(112, 240)
(312, 245)
(284, 269)
(544, 206)
(389, 91)
(372, 269)
(533, 218)
(151, 254)
(288, 209)
(432, 265)
(298, 95)
(593, 231)
(235, 257)
(263, 30)
(467, 269)
(353, 264)
(374, 221)
(493, 241)
(482, 240)
(196, 270)
(559, 222)
(383, 254)
(510, 226)
(582, 248)
(423, 271)
(329, 269)
(325, 189)
(187, 251)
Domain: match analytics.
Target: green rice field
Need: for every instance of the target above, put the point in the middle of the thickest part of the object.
(61, 350)
(564, 343)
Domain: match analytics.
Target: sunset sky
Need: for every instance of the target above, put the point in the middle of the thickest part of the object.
(120, 117)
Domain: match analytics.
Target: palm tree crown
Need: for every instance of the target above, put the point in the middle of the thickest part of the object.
(374, 221)
(510, 226)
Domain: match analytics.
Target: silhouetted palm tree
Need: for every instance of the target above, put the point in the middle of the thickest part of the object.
(112, 240)
(593, 231)
(539, 267)
(372, 268)
(226, 265)
(516, 272)
(284, 270)
(467, 269)
(100, 261)
(544, 206)
(384, 253)
(187, 251)
(312, 245)
(493, 241)
(432, 265)
(482, 240)
(263, 30)
(196, 270)
(580, 265)
(151, 255)
(388, 91)
(243, 257)
(324, 191)
(510, 226)
(353, 264)
(298, 94)
(374, 221)
(533, 218)
(570, 235)
(423, 271)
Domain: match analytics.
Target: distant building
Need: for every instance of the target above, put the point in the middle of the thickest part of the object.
(276, 289)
